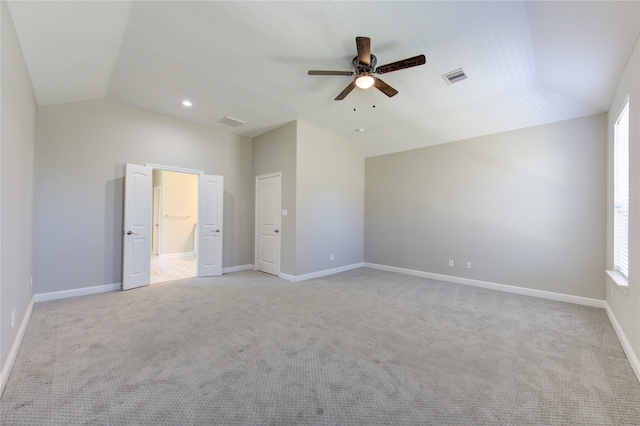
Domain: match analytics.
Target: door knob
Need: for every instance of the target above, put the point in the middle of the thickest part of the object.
(217, 230)
(276, 231)
(132, 233)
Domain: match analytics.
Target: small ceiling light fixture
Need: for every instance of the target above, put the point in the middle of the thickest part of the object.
(359, 130)
(365, 81)
(186, 103)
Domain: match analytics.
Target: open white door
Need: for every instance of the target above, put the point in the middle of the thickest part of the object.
(210, 196)
(136, 244)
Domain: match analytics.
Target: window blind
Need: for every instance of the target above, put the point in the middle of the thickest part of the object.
(621, 193)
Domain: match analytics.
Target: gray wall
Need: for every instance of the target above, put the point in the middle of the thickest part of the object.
(178, 211)
(527, 208)
(275, 151)
(19, 114)
(323, 190)
(330, 201)
(81, 153)
(626, 304)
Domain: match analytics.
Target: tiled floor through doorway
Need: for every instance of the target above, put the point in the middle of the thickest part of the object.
(172, 268)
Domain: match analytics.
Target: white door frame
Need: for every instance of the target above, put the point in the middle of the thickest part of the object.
(174, 169)
(279, 220)
(156, 223)
(178, 170)
(202, 256)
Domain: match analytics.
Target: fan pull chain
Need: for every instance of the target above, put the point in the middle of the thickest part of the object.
(355, 95)
(374, 97)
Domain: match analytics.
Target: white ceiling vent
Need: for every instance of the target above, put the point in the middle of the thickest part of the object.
(233, 122)
(455, 76)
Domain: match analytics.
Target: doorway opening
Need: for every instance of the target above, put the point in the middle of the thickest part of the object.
(174, 235)
(137, 224)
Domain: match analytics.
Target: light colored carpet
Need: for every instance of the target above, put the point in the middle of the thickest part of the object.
(363, 347)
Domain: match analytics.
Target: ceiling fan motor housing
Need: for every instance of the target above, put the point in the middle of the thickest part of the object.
(364, 68)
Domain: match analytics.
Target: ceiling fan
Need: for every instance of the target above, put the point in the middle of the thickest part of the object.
(365, 70)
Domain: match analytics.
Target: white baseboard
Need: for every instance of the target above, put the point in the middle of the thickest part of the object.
(318, 274)
(13, 353)
(55, 295)
(237, 268)
(287, 277)
(494, 286)
(42, 297)
(185, 254)
(628, 349)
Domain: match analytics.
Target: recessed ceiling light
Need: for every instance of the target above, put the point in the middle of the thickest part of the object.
(186, 103)
(361, 129)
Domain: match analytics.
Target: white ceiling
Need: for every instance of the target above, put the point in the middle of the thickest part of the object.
(528, 63)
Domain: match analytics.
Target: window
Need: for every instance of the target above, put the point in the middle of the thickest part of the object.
(621, 192)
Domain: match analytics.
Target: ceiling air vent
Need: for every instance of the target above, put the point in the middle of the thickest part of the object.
(233, 122)
(455, 76)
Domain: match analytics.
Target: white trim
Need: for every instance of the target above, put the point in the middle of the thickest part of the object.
(13, 353)
(237, 268)
(323, 273)
(620, 280)
(628, 349)
(579, 300)
(268, 175)
(174, 169)
(287, 277)
(184, 254)
(55, 295)
(42, 297)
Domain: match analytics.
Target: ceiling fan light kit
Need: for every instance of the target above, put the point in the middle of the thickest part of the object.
(365, 68)
(364, 81)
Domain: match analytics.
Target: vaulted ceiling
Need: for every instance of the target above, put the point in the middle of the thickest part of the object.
(528, 63)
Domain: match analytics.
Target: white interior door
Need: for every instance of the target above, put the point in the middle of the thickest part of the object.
(210, 197)
(268, 220)
(136, 244)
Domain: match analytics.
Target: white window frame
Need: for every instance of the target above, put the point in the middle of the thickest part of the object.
(620, 272)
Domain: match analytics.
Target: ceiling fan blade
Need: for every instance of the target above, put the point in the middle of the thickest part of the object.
(400, 65)
(346, 91)
(385, 88)
(363, 44)
(317, 72)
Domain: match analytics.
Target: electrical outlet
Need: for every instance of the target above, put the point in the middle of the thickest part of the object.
(331, 256)
(13, 318)
(451, 263)
(468, 265)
